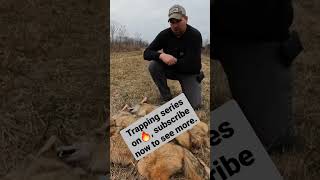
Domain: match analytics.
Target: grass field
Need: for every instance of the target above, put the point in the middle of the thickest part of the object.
(131, 81)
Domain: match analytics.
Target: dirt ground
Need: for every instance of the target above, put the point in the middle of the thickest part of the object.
(306, 96)
(131, 81)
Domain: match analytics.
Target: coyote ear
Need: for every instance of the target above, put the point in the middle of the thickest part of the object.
(144, 100)
(126, 108)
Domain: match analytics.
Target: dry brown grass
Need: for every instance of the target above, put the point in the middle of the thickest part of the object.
(131, 81)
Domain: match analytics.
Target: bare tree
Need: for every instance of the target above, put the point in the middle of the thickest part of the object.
(206, 46)
(122, 32)
(138, 38)
(114, 27)
(120, 39)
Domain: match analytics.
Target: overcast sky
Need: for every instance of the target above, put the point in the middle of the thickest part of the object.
(149, 17)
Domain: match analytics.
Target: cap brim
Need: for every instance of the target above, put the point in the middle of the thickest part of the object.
(175, 16)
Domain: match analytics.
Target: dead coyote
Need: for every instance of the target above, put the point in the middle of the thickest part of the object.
(196, 137)
(166, 161)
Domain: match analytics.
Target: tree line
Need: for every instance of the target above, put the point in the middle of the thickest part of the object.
(121, 41)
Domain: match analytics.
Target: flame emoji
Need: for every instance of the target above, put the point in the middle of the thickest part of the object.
(145, 136)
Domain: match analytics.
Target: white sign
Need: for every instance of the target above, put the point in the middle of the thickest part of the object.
(236, 151)
(160, 126)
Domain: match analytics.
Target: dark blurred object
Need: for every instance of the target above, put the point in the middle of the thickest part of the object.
(291, 48)
(65, 153)
(76, 153)
(200, 76)
(290, 141)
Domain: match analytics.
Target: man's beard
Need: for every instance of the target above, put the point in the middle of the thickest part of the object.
(177, 33)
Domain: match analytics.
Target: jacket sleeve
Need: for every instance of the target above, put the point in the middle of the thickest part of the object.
(151, 52)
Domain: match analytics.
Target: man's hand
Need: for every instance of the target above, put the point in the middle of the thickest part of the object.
(168, 59)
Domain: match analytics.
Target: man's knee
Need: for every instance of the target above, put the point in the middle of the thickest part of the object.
(195, 100)
(193, 94)
(154, 67)
(196, 105)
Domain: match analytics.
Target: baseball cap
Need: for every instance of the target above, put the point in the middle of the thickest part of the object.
(176, 12)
